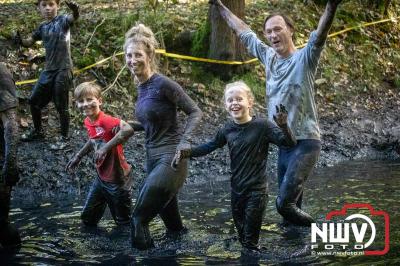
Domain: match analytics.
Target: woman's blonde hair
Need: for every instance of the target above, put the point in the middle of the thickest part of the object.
(87, 89)
(241, 84)
(140, 34)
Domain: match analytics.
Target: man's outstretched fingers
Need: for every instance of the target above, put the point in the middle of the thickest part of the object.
(283, 109)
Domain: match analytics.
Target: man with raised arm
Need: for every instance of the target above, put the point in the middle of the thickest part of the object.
(290, 74)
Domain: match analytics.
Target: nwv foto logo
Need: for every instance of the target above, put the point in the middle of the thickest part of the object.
(337, 236)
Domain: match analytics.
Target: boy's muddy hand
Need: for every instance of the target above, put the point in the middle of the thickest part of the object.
(100, 155)
(215, 2)
(72, 164)
(280, 117)
(185, 153)
(176, 159)
(115, 130)
(179, 155)
(72, 5)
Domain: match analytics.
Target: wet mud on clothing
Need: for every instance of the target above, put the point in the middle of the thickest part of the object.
(56, 38)
(248, 149)
(159, 99)
(290, 81)
(118, 198)
(158, 196)
(295, 165)
(248, 211)
(113, 168)
(113, 185)
(156, 109)
(9, 236)
(8, 95)
(52, 86)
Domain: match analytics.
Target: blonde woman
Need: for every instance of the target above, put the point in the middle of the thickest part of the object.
(159, 98)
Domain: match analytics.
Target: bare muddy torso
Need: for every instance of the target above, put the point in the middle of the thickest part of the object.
(53, 234)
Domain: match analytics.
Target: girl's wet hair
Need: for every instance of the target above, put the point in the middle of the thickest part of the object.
(142, 35)
(241, 84)
(87, 89)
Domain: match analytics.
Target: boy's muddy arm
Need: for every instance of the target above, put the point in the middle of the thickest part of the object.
(88, 147)
(10, 166)
(325, 21)
(235, 23)
(73, 163)
(75, 10)
(124, 133)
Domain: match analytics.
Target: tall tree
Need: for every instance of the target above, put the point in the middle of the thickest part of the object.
(224, 45)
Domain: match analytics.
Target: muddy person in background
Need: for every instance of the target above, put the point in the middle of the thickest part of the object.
(156, 109)
(113, 184)
(56, 79)
(248, 139)
(9, 236)
(290, 76)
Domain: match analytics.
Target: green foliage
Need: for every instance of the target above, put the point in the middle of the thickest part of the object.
(256, 84)
(366, 56)
(397, 82)
(200, 44)
(155, 4)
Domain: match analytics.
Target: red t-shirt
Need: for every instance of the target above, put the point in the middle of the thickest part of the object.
(114, 168)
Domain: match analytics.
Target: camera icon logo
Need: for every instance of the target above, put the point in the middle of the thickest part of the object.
(350, 237)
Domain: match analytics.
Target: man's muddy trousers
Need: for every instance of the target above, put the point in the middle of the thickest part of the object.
(9, 236)
(248, 211)
(118, 198)
(295, 165)
(158, 196)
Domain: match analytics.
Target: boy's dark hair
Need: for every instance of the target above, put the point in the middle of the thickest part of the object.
(289, 22)
(57, 1)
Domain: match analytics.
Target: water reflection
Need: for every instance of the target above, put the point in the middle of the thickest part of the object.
(53, 234)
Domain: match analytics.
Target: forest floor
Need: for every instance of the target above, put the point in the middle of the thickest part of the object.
(357, 85)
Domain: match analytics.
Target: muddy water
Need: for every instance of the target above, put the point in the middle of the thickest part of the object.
(52, 233)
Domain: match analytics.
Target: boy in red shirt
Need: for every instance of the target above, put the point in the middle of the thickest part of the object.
(113, 185)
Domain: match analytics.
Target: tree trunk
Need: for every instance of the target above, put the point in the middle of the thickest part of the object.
(224, 45)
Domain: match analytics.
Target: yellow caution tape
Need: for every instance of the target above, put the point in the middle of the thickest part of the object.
(214, 61)
(24, 82)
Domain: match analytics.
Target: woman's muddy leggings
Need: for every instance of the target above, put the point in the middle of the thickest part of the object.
(158, 195)
(294, 167)
(117, 197)
(247, 212)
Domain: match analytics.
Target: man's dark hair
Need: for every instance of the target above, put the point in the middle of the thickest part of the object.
(57, 1)
(288, 20)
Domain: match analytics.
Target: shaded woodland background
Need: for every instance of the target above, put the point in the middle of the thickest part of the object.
(358, 74)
